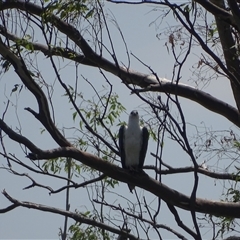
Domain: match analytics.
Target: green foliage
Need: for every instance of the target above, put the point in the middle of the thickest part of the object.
(16, 48)
(88, 233)
(153, 135)
(57, 165)
(111, 182)
(212, 31)
(54, 165)
(101, 112)
(25, 42)
(234, 195)
(82, 144)
(69, 10)
(236, 144)
(22, 44)
(80, 232)
(226, 225)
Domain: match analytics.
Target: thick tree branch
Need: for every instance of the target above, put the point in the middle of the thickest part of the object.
(141, 180)
(77, 217)
(47, 50)
(149, 82)
(89, 56)
(17, 161)
(78, 39)
(166, 86)
(44, 114)
(235, 12)
(229, 51)
(206, 100)
(18, 138)
(218, 11)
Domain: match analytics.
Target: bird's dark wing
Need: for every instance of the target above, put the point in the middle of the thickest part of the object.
(121, 145)
(145, 136)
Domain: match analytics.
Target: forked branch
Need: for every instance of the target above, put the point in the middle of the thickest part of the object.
(77, 217)
(128, 76)
(141, 180)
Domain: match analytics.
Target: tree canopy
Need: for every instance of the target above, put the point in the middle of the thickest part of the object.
(59, 127)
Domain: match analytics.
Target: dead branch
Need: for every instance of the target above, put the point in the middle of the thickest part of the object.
(77, 217)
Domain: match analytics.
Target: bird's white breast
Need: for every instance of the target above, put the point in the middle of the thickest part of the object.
(132, 144)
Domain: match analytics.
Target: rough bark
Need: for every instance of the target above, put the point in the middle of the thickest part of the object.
(229, 51)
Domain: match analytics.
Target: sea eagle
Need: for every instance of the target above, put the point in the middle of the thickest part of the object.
(133, 143)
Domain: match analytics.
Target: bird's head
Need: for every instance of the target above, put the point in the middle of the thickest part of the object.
(134, 113)
(134, 117)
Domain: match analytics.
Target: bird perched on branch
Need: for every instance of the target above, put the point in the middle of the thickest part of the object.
(133, 143)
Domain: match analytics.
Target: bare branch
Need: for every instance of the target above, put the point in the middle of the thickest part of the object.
(212, 8)
(200, 169)
(17, 161)
(215, 175)
(9, 208)
(44, 115)
(180, 236)
(34, 183)
(77, 217)
(141, 179)
(18, 138)
(206, 100)
(180, 223)
(80, 185)
(149, 82)
(220, 12)
(48, 50)
(152, 223)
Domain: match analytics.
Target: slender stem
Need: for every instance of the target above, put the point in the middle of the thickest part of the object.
(69, 163)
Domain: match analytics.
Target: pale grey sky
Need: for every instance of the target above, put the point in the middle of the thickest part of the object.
(134, 22)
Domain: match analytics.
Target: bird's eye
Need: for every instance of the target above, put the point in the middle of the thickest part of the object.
(134, 112)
